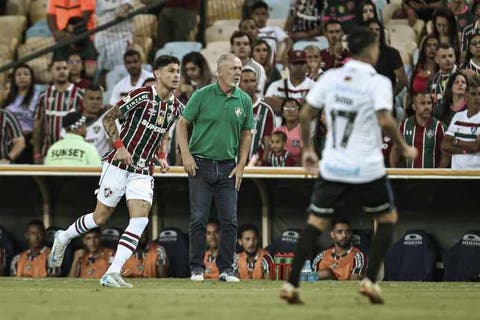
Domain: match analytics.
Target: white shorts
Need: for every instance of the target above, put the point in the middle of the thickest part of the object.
(115, 182)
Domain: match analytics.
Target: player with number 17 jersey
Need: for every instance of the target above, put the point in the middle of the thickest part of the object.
(351, 96)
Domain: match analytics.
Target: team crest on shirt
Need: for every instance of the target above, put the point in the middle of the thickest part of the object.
(96, 129)
(107, 192)
(238, 112)
(430, 133)
(160, 120)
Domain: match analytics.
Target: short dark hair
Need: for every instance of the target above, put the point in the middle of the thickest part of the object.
(36, 223)
(94, 87)
(332, 21)
(445, 46)
(359, 39)
(130, 53)
(284, 102)
(248, 227)
(245, 19)
(164, 60)
(96, 230)
(239, 34)
(342, 220)
(282, 135)
(58, 58)
(148, 80)
(214, 221)
(473, 82)
(259, 5)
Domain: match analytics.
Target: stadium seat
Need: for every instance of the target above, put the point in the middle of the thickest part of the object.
(221, 30)
(387, 12)
(215, 50)
(285, 243)
(462, 261)
(361, 239)
(37, 10)
(175, 243)
(179, 48)
(110, 237)
(411, 259)
(115, 75)
(18, 7)
(144, 25)
(279, 9)
(222, 10)
(12, 27)
(39, 29)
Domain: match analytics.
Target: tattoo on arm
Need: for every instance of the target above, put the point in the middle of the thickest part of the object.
(109, 123)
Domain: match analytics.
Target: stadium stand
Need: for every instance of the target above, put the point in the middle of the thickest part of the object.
(278, 9)
(221, 30)
(37, 10)
(175, 243)
(221, 10)
(179, 48)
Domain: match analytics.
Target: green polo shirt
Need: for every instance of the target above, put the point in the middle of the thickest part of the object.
(72, 150)
(218, 121)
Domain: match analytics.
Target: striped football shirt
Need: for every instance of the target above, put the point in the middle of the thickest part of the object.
(426, 139)
(146, 119)
(52, 106)
(9, 130)
(465, 129)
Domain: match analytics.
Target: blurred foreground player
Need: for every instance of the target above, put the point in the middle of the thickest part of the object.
(148, 114)
(357, 103)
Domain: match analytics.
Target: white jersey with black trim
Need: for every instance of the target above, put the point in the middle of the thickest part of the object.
(351, 96)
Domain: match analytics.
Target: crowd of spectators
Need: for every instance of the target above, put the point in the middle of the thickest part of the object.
(447, 58)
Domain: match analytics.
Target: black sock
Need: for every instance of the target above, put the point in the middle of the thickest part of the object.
(380, 243)
(306, 244)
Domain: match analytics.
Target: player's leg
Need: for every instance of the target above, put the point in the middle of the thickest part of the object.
(378, 199)
(110, 192)
(139, 194)
(324, 198)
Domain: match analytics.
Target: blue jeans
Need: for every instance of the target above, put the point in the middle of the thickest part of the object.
(211, 182)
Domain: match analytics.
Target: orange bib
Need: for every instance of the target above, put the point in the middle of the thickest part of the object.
(95, 268)
(211, 270)
(33, 267)
(143, 265)
(257, 272)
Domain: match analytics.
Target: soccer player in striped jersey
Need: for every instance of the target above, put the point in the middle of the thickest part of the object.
(462, 139)
(262, 115)
(12, 141)
(148, 113)
(54, 103)
(425, 133)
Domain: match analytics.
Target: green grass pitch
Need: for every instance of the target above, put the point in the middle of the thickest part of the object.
(181, 299)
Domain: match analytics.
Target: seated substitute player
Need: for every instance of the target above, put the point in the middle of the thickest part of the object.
(148, 261)
(357, 103)
(253, 263)
(93, 261)
(148, 114)
(32, 262)
(342, 261)
(212, 237)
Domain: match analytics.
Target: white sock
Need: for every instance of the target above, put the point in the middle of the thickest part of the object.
(128, 243)
(79, 227)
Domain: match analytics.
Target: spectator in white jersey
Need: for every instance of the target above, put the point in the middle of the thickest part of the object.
(134, 80)
(93, 112)
(357, 102)
(296, 86)
(242, 48)
(462, 139)
(274, 35)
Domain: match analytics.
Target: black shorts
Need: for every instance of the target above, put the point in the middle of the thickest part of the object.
(375, 197)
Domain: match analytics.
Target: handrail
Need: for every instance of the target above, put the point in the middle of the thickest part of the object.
(250, 172)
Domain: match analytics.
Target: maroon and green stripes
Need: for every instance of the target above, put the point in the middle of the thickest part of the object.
(9, 129)
(147, 120)
(80, 225)
(129, 240)
(426, 139)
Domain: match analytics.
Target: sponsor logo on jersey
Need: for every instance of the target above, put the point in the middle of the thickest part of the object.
(153, 127)
(107, 192)
(343, 100)
(96, 129)
(430, 133)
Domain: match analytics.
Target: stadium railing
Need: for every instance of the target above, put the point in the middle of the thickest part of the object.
(258, 175)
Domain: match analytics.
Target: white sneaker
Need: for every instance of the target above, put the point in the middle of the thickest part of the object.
(114, 280)
(371, 290)
(290, 294)
(197, 276)
(228, 276)
(55, 258)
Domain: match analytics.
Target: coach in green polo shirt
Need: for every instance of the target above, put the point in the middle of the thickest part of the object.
(222, 118)
(73, 150)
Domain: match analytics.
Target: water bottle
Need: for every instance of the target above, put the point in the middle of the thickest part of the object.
(313, 276)
(306, 271)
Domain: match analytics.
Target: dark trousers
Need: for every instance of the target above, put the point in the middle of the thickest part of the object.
(211, 182)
